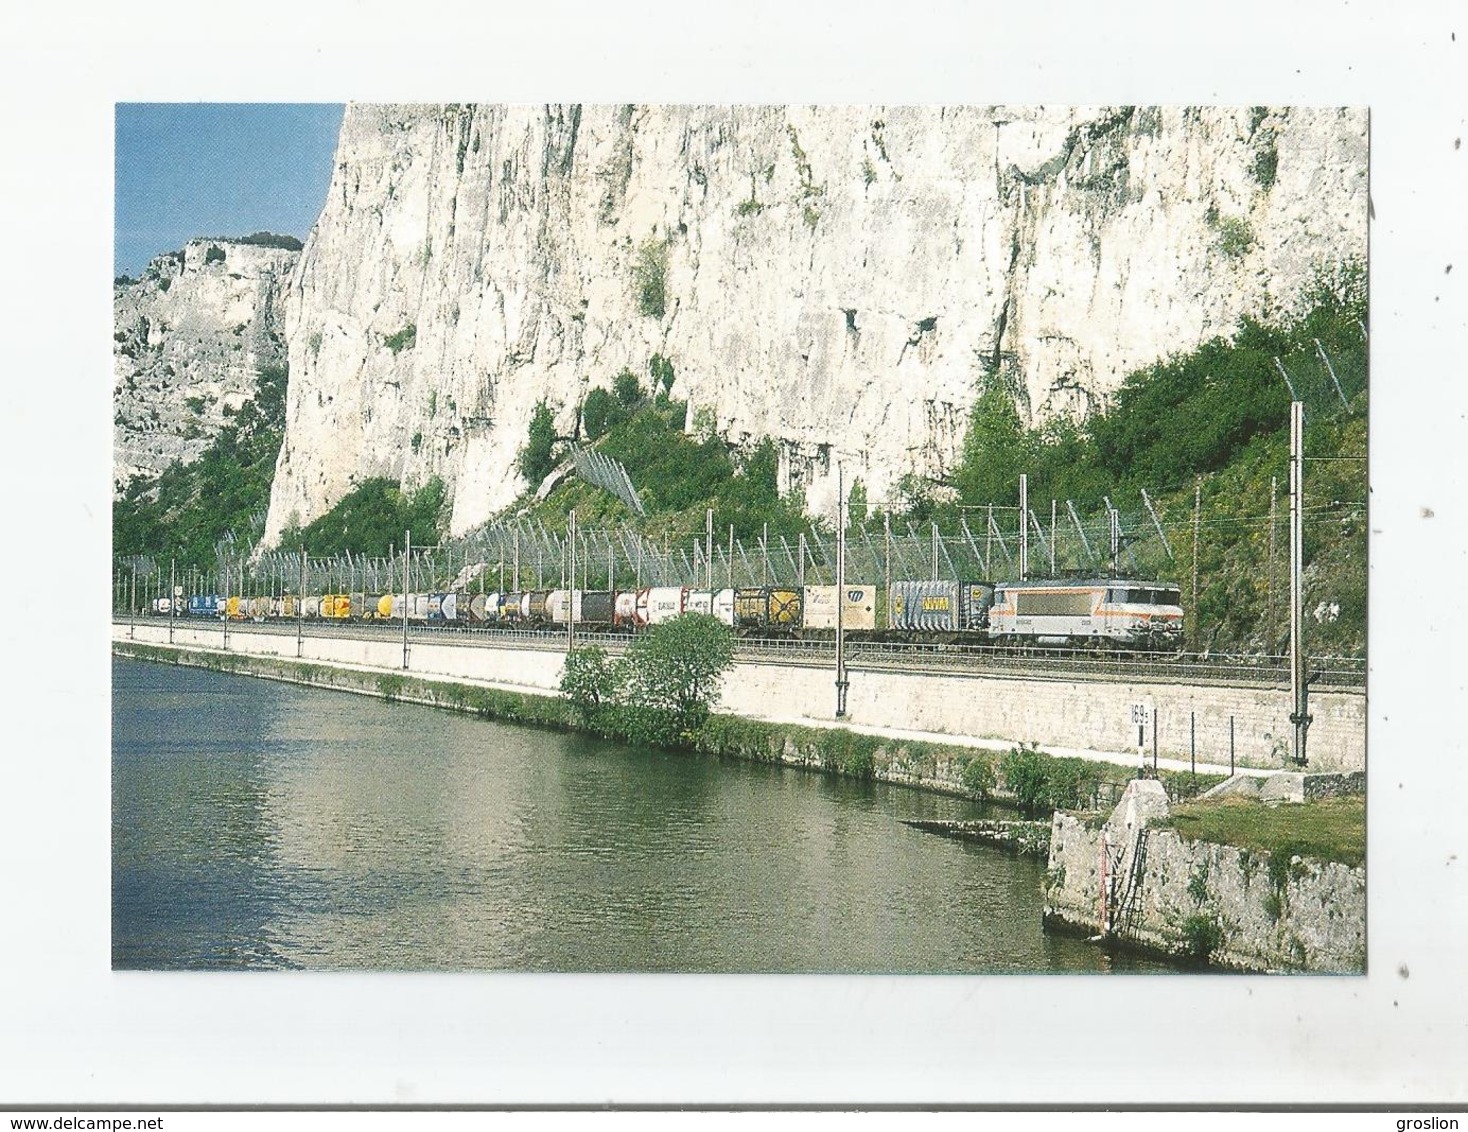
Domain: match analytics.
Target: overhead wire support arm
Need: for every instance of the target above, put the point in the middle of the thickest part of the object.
(1039, 532)
(817, 542)
(974, 546)
(1156, 522)
(1330, 369)
(744, 557)
(1080, 530)
(1279, 365)
(998, 536)
(948, 558)
(794, 569)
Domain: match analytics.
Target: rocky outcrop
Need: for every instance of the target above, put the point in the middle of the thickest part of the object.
(840, 279)
(1140, 884)
(189, 339)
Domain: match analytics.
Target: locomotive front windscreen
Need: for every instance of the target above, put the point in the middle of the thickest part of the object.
(1136, 595)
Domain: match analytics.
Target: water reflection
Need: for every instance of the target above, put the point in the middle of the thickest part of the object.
(258, 824)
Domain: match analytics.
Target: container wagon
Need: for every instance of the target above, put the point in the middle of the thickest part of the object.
(768, 609)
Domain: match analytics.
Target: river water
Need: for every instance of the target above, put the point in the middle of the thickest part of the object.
(264, 825)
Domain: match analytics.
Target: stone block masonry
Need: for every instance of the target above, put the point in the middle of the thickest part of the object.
(1148, 887)
(1062, 717)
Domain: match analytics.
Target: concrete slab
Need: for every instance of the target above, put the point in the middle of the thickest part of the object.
(1240, 785)
(1288, 786)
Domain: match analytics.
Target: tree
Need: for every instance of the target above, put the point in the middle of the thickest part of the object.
(599, 412)
(678, 666)
(995, 450)
(371, 518)
(592, 681)
(538, 457)
(628, 388)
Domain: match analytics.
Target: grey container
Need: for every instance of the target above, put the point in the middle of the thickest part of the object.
(939, 607)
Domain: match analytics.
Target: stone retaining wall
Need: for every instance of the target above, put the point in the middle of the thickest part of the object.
(1056, 714)
(1207, 900)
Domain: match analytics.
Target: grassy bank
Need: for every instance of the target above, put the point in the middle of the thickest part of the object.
(1331, 829)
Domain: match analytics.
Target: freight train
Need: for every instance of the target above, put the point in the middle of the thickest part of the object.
(1089, 612)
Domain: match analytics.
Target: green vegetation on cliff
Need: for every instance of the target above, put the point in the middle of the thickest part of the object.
(189, 510)
(678, 474)
(370, 520)
(1206, 435)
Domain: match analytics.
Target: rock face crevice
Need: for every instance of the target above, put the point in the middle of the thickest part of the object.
(839, 279)
(189, 340)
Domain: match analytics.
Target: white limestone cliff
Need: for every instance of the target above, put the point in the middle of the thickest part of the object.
(838, 278)
(189, 339)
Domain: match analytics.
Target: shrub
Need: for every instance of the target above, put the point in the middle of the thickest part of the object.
(744, 738)
(598, 413)
(1235, 236)
(977, 777)
(1023, 769)
(661, 371)
(1066, 781)
(650, 278)
(1198, 884)
(215, 254)
(538, 457)
(1266, 165)
(592, 681)
(1042, 782)
(404, 339)
(1202, 936)
(848, 752)
(677, 667)
(627, 388)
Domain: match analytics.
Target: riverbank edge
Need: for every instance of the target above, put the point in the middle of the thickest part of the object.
(922, 765)
(959, 769)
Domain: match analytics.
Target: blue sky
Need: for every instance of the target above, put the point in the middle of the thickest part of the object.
(216, 169)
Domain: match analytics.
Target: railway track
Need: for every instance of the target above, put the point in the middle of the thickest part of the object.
(1339, 673)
